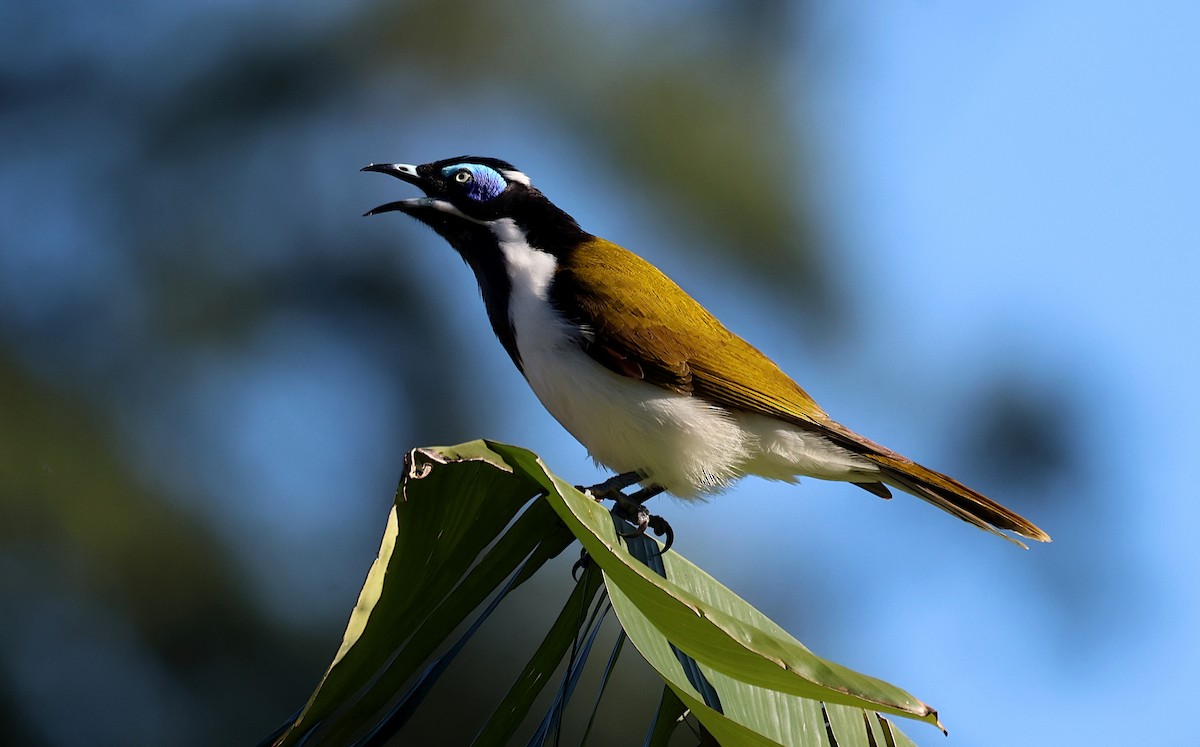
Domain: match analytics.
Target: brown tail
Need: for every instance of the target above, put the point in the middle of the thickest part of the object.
(953, 497)
(943, 491)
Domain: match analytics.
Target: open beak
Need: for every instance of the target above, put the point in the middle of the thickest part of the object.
(404, 172)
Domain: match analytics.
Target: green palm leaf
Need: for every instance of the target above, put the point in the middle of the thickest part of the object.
(457, 536)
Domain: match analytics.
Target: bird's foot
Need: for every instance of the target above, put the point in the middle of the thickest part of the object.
(632, 507)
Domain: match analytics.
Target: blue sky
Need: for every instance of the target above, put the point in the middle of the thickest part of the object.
(1035, 166)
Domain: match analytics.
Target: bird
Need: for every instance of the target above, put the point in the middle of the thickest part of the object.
(639, 372)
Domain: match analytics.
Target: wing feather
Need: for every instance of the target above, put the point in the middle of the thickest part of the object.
(634, 329)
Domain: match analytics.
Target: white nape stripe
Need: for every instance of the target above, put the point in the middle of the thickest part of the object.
(516, 176)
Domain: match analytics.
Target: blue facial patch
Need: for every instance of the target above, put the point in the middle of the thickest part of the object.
(485, 183)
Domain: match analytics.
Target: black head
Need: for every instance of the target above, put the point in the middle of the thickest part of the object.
(473, 187)
(476, 204)
(469, 198)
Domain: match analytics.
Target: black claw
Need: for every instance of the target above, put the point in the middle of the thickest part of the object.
(587, 490)
(661, 527)
(581, 565)
(638, 515)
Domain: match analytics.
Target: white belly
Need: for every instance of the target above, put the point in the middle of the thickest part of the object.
(682, 443)
(679, 442)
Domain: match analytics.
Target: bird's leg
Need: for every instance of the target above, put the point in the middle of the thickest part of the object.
(612, 487)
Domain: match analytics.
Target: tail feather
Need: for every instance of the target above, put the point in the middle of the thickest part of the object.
(875, 488)
(941, 490)
(955, 498)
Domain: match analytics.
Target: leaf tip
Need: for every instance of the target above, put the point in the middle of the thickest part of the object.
(938, 722)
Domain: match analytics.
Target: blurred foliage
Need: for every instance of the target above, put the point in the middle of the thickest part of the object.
(708, 128)
(80, 533)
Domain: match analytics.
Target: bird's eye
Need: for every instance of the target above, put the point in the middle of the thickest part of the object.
(476, 182)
